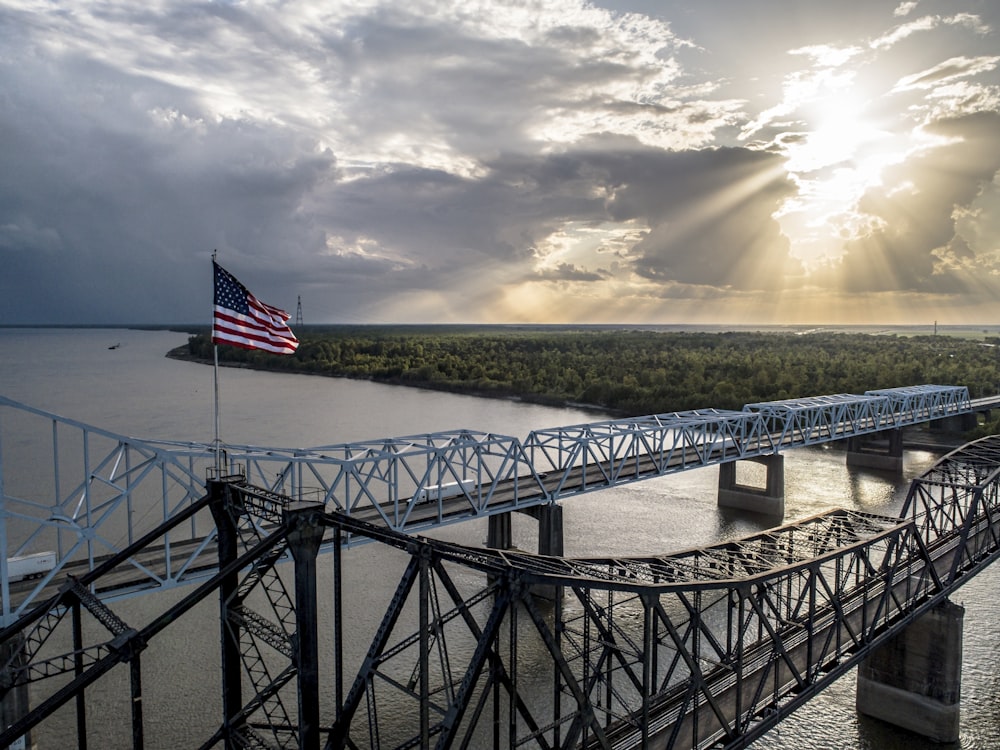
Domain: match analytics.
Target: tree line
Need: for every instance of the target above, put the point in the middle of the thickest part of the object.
(629, 372)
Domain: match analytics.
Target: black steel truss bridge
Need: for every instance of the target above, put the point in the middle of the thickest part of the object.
(707, 648)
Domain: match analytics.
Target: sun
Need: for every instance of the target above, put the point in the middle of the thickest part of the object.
(841, 153)
(838, 132)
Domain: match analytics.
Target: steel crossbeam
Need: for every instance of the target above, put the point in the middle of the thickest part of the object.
(704, 648)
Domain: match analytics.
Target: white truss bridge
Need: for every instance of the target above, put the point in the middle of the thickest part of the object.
(87, 493)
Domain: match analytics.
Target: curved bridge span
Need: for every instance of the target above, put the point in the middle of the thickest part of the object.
(707, 648)
(85, 494)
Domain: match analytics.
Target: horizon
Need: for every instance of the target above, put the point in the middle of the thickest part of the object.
(612, 162)
(723, 327)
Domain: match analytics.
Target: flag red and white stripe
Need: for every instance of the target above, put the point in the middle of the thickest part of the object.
(242, 320)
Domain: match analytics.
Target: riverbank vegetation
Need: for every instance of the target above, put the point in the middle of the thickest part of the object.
(630, 372)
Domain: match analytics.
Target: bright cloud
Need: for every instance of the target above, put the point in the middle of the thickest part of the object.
(490, 160)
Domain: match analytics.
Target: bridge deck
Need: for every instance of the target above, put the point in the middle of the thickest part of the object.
(106, 490)
(703, 648)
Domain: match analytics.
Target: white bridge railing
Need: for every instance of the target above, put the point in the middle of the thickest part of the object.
(85, 493)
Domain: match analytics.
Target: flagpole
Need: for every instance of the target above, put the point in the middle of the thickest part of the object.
(216, 444)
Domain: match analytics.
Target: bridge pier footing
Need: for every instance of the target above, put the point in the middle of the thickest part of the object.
(914, 681)
(862, 454)
(769, 499)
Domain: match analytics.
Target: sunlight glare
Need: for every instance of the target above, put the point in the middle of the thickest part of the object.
(840, 134)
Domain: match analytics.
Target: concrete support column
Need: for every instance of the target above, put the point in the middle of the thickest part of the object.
(957, 423)
(863, 454)
(15, 704)
(914, 681)
(769, 499)
(550, 542)
(550, 529)
(498, 532)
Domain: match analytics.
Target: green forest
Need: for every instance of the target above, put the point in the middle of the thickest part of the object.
(629, 372)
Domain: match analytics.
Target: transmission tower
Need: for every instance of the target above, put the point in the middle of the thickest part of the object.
(298, 312)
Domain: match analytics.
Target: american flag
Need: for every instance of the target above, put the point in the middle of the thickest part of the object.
(243, 320)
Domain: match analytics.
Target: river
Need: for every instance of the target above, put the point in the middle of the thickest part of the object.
(135, 390)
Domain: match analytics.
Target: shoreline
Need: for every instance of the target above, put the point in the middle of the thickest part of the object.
(923, 440)
(182, 353)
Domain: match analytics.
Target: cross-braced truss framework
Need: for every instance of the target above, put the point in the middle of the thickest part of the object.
(708, 647)
(85, 494)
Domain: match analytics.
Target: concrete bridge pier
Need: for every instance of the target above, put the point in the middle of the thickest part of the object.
(15, 702)
(769, 499)
(864, 454)
(958, 423)
(550, 529)
(498, 531)
(914, 681)
(550, 537)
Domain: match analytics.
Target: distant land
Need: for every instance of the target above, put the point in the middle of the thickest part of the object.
(970, 331)
(635, 370)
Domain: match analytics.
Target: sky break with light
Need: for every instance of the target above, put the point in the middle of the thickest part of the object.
(537, 161)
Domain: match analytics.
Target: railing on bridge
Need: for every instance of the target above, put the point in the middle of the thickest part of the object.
(704, 648)
(86, 493)
(820, 419)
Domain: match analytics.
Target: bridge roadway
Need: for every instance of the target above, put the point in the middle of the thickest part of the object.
(667, 724)
(394, 481)
(709, 647)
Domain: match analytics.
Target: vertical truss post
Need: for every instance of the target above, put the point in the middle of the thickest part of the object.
(424, 635)
(338, 622)
(648, 662)
(223, 512)
(135, 667)
(305, 533)
(81, 697)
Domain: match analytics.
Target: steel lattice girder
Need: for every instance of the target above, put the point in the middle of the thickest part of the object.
(962, 491)
(666, 645)
(926, 401)
(106, 490)
(819, 419)
(703, 647)
(808, 421)
(732, 617)
(615, 451)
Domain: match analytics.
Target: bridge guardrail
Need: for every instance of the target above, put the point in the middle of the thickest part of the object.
(102, 490)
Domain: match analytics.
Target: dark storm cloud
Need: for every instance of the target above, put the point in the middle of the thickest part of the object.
(378, 154)
(914, 226)
(106, 210)
(710, 212)
(710, 215)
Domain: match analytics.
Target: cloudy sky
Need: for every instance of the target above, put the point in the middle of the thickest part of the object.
(548, 161)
